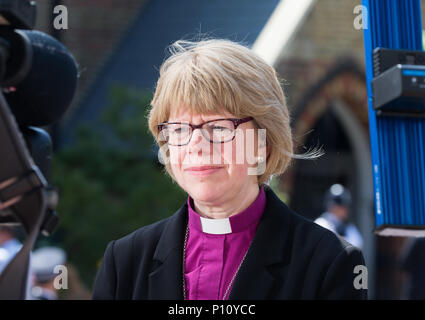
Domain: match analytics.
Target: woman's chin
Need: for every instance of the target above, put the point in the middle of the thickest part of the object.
(206, 192)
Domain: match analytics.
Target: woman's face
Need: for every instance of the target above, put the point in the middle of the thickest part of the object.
(214, 172)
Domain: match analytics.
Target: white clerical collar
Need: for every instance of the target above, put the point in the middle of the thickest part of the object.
(216, 226)
(234, 224)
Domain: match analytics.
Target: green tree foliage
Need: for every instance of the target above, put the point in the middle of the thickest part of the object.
(110, 183)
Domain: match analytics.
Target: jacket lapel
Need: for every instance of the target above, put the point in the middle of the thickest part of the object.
(166, 280)
(255, 278)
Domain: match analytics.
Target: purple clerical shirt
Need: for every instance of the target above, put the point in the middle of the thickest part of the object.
(212, 259)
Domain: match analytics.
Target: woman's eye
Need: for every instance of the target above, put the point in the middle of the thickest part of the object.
(180, 130)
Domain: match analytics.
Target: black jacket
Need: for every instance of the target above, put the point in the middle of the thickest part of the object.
(290, 258)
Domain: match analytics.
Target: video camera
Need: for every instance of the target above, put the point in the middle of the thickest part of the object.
(38, 79)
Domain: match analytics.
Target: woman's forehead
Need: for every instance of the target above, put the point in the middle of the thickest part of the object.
(187, 114)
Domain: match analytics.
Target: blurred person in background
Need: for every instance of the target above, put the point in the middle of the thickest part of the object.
(233, 238)
(43, 264)
(337, 203)
(9, 246)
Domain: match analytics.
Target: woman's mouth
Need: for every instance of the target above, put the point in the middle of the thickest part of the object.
(203, 170)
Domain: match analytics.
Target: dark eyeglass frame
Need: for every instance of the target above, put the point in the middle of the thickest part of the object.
(236, 123)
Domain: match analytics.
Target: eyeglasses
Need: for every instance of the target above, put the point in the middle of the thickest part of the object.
(215, 131)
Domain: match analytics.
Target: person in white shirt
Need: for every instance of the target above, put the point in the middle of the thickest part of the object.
(335, 218)
(43, 268)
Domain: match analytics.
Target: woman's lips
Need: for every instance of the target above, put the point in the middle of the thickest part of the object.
(203, 170)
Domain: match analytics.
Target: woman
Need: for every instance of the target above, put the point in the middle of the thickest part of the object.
(233, 238)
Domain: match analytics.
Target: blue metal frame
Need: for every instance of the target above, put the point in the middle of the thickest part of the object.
(397, 143)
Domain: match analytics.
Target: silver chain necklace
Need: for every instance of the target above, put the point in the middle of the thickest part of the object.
(184, 260)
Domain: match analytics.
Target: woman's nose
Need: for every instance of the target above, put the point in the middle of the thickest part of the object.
(197, 138)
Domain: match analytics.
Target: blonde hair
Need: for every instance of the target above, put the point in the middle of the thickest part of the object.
(210, 76)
